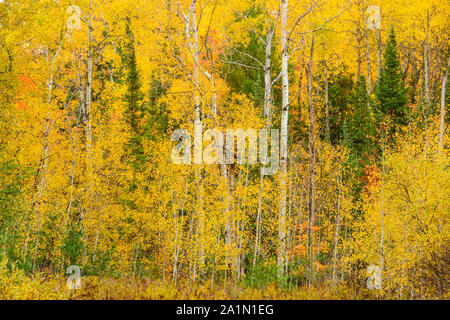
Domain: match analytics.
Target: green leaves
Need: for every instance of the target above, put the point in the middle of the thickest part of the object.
(390, 90)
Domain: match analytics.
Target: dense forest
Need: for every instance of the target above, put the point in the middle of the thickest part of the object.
(352, 95)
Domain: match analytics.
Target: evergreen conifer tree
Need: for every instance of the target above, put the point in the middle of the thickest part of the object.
(390, 92)
(360, 125)
(134, 99)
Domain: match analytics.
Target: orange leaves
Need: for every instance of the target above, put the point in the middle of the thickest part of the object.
(28, 87)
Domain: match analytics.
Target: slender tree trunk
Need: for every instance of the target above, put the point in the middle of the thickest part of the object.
(327, 105)
(312, 160)
(268, 78)
(268, 118)
(192, 26)
(443, 108)
(42, 187)
(258, 219)
(336, 230)
(241, 253)
(426, 70)
(44, 159)
(87, 114)
(378, 55)
(90, 59)
(283, 141)
(382, 209)
(288, 237)
(358, 53)
(369, 74)
(426, 66)
(72, 176)
(178, 234)
(299, 94)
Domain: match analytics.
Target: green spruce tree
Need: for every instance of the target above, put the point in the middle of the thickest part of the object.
(135, 109)
(390, 91)
(360, 125)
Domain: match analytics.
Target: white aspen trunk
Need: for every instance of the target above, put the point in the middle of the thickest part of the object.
(382, 211)
(268, 117)
(300, 217)
(50, 82)
(283, 140)
(135, 259)
(336, 230)
(369, 75)
(312, 160)
(316, 245)
(344, 251)
(358, 68)
(193, 47)
(327, 105)
(426, 71)
(426, 66)
(258, 220)
(180, 239)
(175, 242)
(210, 77)
(378, 55)
(223, 166)
(72, 176)
(89, 91)
(443, 108)
(177, 254)
(42, 187)
(288, 237)
(82, 115)
(88, 117)
(359, 39)
(44, 159)
(197, 112)
(299, 94)
(268, 78)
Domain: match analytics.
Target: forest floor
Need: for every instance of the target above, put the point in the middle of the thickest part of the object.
(17, 286)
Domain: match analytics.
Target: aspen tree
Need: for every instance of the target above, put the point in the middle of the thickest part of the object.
(281, 259)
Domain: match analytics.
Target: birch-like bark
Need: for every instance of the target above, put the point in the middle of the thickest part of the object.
(382, 209)
(268, 77)
(312, 160)
(283, 140)
(426, 72)
(89, 90)
(426, 77)
(369, 75)
(443, 108)
(87, 113)
(359, 58)
(75, 155)
(378, 55)
(268, 116)
(42, 187)
(197, 111)
(327, 105)
(288, 236)
(336, 230)
(359, 39)
(426, 66)
(299, 94)
(223, 166)
(44, 158)
(190, 22)
(178, 233)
